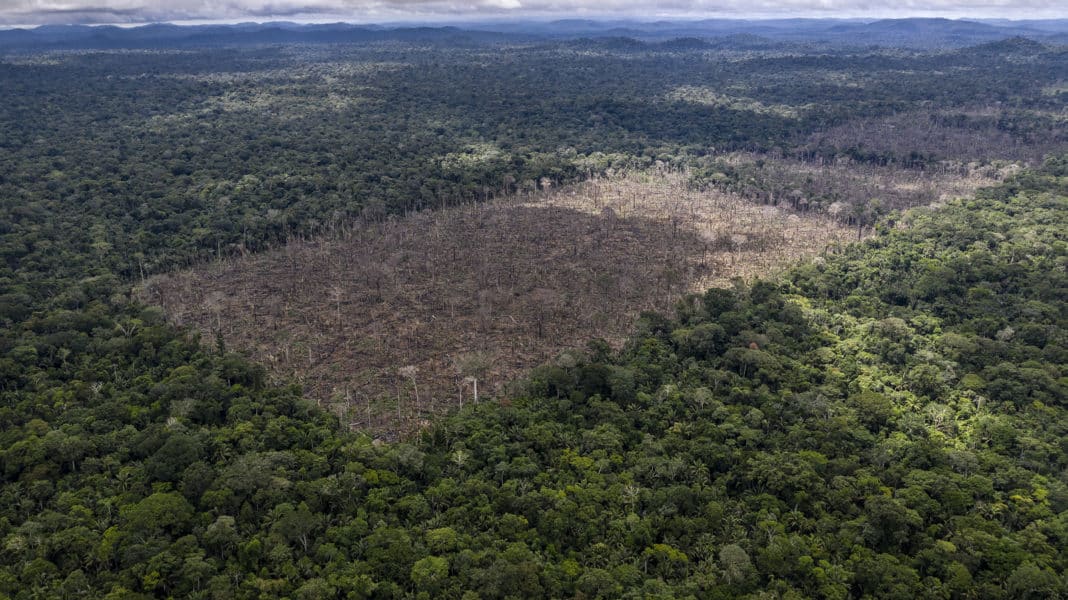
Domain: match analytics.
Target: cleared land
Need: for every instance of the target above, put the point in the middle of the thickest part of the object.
(840, 187)
(388, 322)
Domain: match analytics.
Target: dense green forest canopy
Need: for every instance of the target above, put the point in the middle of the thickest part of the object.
(142, 160)
(886, 422)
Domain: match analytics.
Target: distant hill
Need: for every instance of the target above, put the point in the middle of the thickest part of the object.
(1014, 45)
(167, 35)
(930, 32)
(909, 33)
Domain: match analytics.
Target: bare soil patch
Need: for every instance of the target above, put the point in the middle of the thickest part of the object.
(388, 323)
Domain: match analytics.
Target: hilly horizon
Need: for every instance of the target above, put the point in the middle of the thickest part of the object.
(906, 32)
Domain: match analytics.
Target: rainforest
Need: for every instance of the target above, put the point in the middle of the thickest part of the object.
(312, 312)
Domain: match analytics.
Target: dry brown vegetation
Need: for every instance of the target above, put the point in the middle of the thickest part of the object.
(817, 185)
(394, 321)
(973, 135)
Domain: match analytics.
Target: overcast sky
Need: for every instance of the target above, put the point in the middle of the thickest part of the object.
(141, 11)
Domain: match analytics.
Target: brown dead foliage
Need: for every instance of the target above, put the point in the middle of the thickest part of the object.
(815, 185)
(392, 322)
(960, 137)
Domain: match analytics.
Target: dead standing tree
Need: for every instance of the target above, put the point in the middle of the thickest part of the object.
(472, 367)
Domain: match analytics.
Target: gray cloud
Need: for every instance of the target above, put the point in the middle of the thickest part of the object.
(139, 11)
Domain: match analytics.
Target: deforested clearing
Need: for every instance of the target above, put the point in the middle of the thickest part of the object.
(392, 322)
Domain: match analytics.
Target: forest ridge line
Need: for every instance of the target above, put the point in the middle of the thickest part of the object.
(900, 32)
